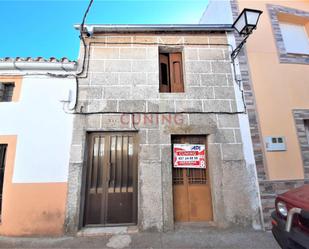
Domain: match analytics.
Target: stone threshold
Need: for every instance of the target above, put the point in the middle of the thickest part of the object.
(101, 231)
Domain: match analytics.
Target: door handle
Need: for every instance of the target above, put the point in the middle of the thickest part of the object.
(109, 171)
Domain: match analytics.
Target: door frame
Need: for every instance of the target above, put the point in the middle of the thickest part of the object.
(209, 178)
(84, 177)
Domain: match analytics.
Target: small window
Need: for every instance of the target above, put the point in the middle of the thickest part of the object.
(2, 166)
(295, 38)
(171, 73)
(306, 122)
(6, 92)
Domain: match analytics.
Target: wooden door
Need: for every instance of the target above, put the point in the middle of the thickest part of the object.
(191, 188)
(111, 184)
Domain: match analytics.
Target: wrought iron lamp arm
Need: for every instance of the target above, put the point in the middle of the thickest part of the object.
(236, 51)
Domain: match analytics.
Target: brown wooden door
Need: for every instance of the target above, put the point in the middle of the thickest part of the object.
(191, 188)
(111, 191)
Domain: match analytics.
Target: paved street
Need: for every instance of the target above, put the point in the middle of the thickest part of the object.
(182, 238)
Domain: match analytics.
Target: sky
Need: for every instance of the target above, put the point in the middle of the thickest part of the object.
(45, 27)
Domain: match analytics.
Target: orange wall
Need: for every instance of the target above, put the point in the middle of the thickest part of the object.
(30, 209)
(278, 88)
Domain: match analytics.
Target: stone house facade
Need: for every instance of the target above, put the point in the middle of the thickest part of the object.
(118, 93)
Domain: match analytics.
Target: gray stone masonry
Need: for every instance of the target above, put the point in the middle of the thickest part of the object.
(125, 78)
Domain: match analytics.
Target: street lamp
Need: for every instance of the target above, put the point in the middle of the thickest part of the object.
(245, 23)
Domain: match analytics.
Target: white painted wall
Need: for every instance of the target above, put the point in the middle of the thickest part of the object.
(217, 12)
(44, 130)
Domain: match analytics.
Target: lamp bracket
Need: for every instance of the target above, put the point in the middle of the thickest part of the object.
(236, 51)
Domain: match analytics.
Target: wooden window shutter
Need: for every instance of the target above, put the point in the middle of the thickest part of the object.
(164, 73)
(176, 75)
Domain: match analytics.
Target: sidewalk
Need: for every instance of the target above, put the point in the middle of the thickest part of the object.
(197, 238)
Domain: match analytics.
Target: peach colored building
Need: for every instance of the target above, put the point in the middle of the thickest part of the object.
(35, 138)
(274, 68)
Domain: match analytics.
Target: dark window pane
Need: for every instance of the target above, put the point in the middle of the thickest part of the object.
(6, 92)
(164, 74)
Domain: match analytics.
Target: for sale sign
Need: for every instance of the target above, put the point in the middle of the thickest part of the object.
(189, 156)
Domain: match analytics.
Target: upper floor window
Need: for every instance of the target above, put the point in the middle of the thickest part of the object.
(171, 72)
(6, 91)
(295, 38)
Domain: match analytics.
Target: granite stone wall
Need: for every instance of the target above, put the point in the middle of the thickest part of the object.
(121, 93)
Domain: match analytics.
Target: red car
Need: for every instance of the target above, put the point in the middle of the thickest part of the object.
(290, 220)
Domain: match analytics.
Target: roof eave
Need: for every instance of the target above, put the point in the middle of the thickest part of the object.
(139, 28)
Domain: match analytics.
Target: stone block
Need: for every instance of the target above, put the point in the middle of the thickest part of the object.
(228, 121)
(232, 152)
(76, 154)
(145, 66)
(216, 105)
(161, 105)
(200, 93)
(94, 92)
(84, 82)
(115, 92)
(102, 106)
(238, 138)
(189, 105)
(83, 92)
(157, 136)
(133, 53)
(221, 67)
(214, 40)
(119, 41)
(196, 39)
(207, 120)
(149, 152)
(166, 39)
(150, 197)
(190, 54)
(192, 79)
(117, 66)
(153, 53)
(93, 121)
(213, 80)
(175, 123)
(78, 137)
(198, 67)
(223, 136)
(147, 120)
(96, 65)
(142, 136)
(230, 79)
(116, 121)
(132, 78)
(132, 106)
(105, 53)
(104, 79)
(224, 92)
(144, 39)
(153, 79)
(145, 92)
(211, 54)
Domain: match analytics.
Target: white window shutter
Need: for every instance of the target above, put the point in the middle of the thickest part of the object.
(295, 38)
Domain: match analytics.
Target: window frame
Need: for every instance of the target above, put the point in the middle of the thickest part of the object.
(4, 97)
(291, 50)
(171, 55)
(279, 14)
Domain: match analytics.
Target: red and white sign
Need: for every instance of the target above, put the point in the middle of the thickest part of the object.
(189, 156)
